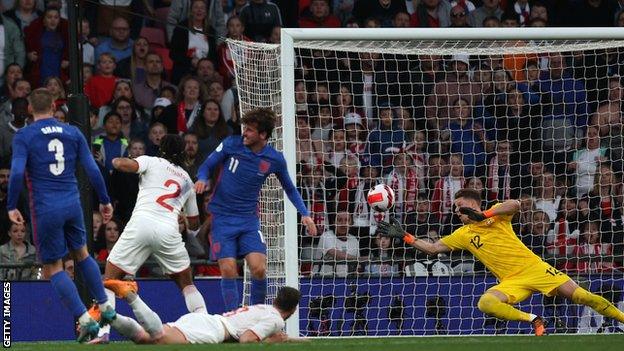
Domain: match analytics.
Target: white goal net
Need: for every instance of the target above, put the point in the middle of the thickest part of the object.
(535, 120)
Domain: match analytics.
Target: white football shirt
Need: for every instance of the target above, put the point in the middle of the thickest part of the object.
(164, 190)
(262, 320)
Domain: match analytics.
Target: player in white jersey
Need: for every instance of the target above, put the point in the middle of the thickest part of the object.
(165, 192)
(245, 325)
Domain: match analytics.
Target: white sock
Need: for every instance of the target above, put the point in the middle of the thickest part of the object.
(84, 318)
(194, 300)
(532, 316)
(129, 328)
(111, 302)
(146, 317)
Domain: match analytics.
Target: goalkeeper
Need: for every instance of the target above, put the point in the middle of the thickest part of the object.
(488, 235)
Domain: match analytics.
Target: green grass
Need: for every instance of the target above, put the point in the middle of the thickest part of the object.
(481, 343)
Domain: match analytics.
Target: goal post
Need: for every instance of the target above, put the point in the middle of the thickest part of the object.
(407, 302)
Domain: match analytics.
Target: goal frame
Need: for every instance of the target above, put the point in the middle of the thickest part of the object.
(287, 61)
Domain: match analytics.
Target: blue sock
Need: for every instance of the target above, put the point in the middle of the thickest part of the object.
(66, 290)
(229, 289)
(92, 276)
(258, 291)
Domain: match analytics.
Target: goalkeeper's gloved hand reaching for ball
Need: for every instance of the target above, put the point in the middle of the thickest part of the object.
(476, 216)
(393, 229)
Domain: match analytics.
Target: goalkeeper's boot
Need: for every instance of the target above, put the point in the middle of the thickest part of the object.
(88, 331)
(121, 288)
(539, 326)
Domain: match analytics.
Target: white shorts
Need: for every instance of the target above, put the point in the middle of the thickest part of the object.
(201, 328)
(143, 237)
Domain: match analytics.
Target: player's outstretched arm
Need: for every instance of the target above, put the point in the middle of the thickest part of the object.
(295, 197)
(393, 229)
(125, 164)
(209, 165)
(509, 207)
(280, 337)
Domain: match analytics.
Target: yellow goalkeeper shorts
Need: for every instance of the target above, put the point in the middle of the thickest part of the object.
(540, 277)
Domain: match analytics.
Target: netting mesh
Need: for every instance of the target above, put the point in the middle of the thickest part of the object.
(536, 121)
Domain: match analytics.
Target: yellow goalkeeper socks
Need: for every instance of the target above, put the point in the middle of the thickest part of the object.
(598, 303)
(491, 305)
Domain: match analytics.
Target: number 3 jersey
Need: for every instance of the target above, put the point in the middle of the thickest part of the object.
(494, 243)
(46, 152)
(164, 190)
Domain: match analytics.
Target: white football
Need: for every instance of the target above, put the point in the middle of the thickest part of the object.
(381, 197)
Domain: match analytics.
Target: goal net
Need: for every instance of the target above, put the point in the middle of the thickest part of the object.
(529, 119)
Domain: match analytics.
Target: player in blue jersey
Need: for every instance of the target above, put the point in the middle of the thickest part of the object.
(46, 153)
(245, 162)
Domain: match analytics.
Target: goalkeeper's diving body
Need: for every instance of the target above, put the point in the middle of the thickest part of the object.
(488, 235)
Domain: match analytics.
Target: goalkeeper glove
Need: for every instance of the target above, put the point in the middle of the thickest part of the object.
(475, 215)
(393, 229)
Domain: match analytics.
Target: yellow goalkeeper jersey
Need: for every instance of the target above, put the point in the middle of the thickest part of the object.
(494, 243)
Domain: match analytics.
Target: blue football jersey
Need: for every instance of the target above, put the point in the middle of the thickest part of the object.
(46, 153)
(242, 175)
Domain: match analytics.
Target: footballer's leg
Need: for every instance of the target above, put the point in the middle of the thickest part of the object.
(251, 244)
(576, 294)
(229, 286)
(497, 302)
(223, 248)
(192, 297)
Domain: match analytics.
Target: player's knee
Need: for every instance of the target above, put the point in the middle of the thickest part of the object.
(228, 271)
(487, 303)
(584, 297)
(258, 272)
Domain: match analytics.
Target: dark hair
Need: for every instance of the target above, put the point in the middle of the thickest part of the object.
(469, 194)
(172, 149)
(220, 129)
(109, 115)
(264, 118)
(116, 102)
(287, 298)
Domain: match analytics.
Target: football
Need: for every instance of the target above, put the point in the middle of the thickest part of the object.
(381, 197)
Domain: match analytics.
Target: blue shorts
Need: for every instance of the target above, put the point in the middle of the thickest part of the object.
(235, 237)
(55, 232)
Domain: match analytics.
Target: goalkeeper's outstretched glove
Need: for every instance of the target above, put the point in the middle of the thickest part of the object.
(393, 229)
(472, 214)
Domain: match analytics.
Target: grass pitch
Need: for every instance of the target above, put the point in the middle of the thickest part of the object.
(480, 343)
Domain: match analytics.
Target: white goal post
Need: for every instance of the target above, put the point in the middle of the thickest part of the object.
(266, 77)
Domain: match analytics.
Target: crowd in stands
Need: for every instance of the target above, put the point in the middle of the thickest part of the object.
(544, 129)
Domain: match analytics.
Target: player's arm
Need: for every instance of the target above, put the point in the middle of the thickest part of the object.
(16, 179)
(283, 337)
(295, 197)
(248, 337)
(95, 177)
(509, 207)
(395, 230)
(209, 165)
(125, 164)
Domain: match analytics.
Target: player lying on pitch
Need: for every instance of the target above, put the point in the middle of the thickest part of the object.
(488, 235)
(247, 324)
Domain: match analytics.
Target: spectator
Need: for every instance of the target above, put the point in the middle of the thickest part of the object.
(605, 197)
(401, 20)
(276, 35)
(19, 110)
(539, 11)
(404, 181)
(156, 132)
(382, 11)
(530, 85)
(192, 157)
(210, 127)
(133, 67)
(237, 6)
(13, 46)
(189, 46)
(18, 250)
(134, 122)
(100, 88)
(60, 115)
(110, 233)
(20, 89)
(86, 44)
(522, 11)
(564, 235)
(235, 30)
(336, 149)
(338, 245)
(319, 16)
(586, 160)
(537, 233)
(110, 145)
(509, 20)
(343, 9)
(123, 88)
(490, 8)
(324, 123)
(547, 199)
(459, 17)
(422, 222)
(259, 18)
(215, 92)
(147, 91)
(503, 180)
(592, 255)
(608, 119)
(206, 72)
(12, 72)
(432, 14)
(180, 116)
(590, 13)
(517, 125)
(445, 188)
(383, 261)
(467, 138)
(387, 135)
(309, 152)
(46, 41)
(159, 106)
(5, 223)
(180, 10)
(491, 22)
(23, 13)
(467, 5)
(56, 88)
(420, 157)
(119, 44)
